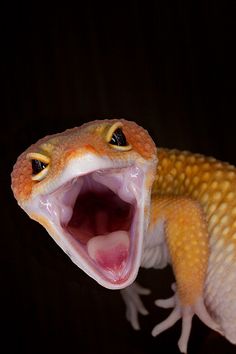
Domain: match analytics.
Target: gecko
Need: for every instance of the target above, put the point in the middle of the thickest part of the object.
(114, 202)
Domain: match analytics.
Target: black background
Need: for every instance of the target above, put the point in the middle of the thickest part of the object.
(168, 66)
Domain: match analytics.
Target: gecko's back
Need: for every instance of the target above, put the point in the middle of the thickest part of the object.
(213, 184)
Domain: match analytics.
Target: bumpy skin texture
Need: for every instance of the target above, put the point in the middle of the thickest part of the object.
(213, 185)
(62, 147)
(187, 240)
(194, 201)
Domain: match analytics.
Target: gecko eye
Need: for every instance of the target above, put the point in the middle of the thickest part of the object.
(37, 166)
(40, 165)
(116, 138)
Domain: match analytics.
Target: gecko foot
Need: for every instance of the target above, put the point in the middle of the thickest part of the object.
(134, 304)
(186, 312)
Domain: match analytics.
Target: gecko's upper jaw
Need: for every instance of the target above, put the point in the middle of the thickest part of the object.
(99, 219)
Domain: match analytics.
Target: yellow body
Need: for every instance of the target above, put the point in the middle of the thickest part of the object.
(187, 241)
(197, 196)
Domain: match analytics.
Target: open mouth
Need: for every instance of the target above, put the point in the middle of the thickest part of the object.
(98, 216)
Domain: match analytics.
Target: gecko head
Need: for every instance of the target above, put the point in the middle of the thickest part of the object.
(90, 187)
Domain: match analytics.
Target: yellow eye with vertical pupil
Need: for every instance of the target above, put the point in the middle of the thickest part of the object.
(40, 165)
(116, 138)
(37, 166)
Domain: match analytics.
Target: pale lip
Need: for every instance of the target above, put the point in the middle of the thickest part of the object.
(99, 217)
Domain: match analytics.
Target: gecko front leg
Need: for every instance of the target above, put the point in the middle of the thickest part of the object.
(186, 236)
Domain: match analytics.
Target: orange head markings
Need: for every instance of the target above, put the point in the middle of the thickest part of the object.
(44, 160)
(77, 183)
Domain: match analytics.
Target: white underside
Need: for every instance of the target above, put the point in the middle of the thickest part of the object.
(155, 252)
(220, 289)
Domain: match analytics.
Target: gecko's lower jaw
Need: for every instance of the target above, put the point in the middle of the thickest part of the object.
(97, 218)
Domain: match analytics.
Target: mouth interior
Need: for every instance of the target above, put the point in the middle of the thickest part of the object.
(98, 216)
(98, 211)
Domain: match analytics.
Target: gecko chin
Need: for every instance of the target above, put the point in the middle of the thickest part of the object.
(98, 219)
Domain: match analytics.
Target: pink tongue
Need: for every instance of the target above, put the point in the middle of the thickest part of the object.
(110, 251)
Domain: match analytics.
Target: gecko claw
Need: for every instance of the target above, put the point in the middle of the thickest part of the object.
(186, 313)
(169, 322)
(134, 304)
(166, 303)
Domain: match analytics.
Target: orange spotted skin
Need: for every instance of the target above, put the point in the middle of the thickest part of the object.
(209, 228)
(210, 182)
(187, 240)
(62, 147)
